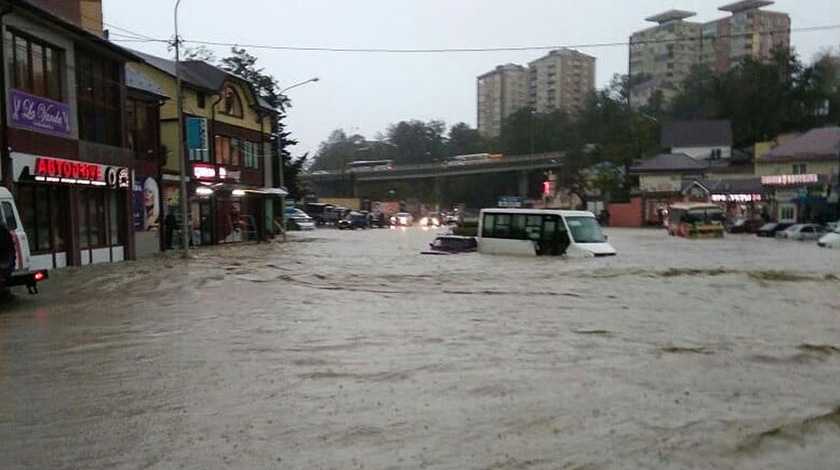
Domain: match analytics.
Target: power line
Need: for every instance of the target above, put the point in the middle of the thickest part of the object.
(505, 48)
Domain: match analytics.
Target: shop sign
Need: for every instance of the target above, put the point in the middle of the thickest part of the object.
(514, 202)
(225, 174)
(36, 113)
(785, 180)
(58, 170)
(204, 171)
(736, 197)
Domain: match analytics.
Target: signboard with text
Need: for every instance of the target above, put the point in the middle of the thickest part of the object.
(39, 114)
(42, 169)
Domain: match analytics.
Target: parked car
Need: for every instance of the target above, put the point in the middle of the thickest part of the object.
(353, 220)
(802, 232)
(450, 244)
(15, 259)
(830, 239)
(318, 211)
(744, 226)
(770, 229)
(402, 219)
(300, 222)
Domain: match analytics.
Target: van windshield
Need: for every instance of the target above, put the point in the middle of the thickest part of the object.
(585, 230)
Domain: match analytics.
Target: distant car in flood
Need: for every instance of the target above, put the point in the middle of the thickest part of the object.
(831, 239)
(770, 229)
(430, 220)
(743, 226)
(451, 244)
(300, 222)
(402, 219)
(353, 220)
(802, 232)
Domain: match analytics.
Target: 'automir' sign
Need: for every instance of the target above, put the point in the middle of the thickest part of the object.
(59, 170)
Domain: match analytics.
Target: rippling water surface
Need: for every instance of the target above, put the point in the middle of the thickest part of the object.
(351, 350)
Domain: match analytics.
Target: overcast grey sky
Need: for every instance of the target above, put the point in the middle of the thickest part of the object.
(365, 92)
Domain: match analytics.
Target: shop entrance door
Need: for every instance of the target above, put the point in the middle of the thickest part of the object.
(205, 217)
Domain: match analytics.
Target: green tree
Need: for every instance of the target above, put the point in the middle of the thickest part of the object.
(339, 150)
(417, 142)
(464, 140)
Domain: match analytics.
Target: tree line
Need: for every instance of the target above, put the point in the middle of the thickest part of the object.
(761, 98)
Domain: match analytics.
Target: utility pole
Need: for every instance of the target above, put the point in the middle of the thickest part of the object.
(185, 231)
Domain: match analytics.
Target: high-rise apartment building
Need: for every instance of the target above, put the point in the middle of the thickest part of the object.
(749, 32)
(661, 57)
(561, 80)
(501, 92)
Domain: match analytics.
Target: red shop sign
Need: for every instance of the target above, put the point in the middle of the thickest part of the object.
(54, 167)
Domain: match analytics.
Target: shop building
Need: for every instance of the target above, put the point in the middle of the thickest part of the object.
(143, 123)
(800, 177)
(740, 198)
(661, 183)
(227, 129)
(65, 152)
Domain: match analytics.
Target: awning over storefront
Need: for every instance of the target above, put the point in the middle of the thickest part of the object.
(278, 192)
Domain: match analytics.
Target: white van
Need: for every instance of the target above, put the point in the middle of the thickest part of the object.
(541, 232)
(14, 249)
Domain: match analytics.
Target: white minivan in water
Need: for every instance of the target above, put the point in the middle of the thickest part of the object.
(541, 232)
(14, 249)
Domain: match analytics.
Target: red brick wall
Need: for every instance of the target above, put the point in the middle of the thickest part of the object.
(66, 9)
(626, 215)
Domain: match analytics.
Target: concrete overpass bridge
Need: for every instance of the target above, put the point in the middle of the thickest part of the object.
(478, 183)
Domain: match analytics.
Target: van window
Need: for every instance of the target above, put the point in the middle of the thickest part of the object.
(489, 225)
(9, 216)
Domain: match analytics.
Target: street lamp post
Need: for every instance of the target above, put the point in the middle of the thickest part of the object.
(280, 150)
(185, 235)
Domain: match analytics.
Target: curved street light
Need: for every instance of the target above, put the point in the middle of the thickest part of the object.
(311, 80)
(280, 172)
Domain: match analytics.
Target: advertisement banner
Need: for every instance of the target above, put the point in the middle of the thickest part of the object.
(146, 204)
(40, 114)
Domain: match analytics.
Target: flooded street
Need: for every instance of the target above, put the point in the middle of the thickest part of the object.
(343, 350)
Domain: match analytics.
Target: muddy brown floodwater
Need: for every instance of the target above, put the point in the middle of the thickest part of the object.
(342, 350)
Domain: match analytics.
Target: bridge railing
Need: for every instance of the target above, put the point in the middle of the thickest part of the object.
(401, 169)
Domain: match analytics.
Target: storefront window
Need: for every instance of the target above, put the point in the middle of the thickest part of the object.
(84, 228)
(42, 202)
(42, 216)
(98, 227)
(59, 217)
(116, 220)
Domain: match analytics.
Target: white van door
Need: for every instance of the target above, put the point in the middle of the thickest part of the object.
(12, 220)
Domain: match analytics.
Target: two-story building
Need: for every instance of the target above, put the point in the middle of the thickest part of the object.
(64, 148)
(227, 139)
(143, 122)
(800, 176)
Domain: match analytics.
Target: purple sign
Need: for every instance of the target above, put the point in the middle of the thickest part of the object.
(34, 112)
